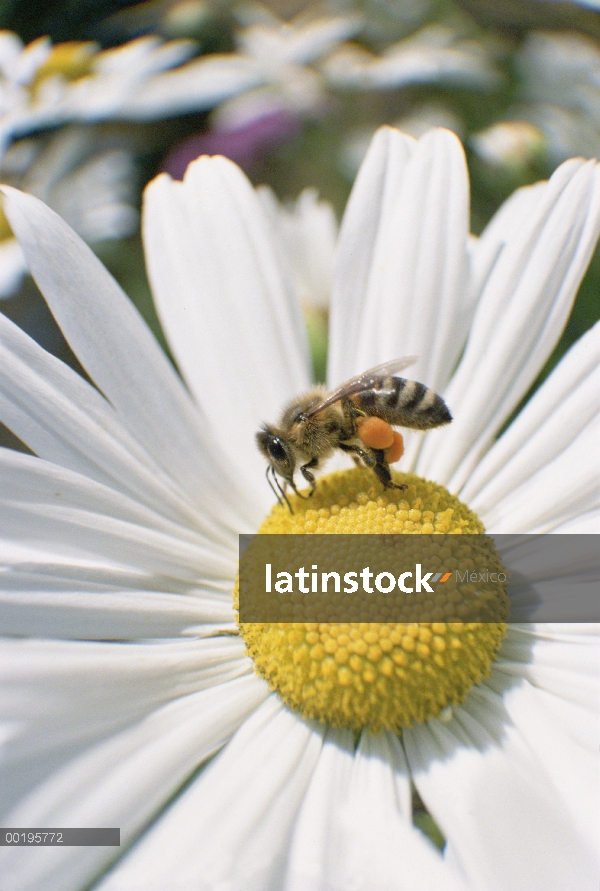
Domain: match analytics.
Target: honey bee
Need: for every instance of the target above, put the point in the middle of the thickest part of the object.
(316, 424)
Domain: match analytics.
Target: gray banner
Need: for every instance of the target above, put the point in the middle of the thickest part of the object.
(97, 837)
(419, 578)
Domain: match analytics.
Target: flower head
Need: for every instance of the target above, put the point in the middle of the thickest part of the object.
(122, 665)
(83, 174)
(44, 85)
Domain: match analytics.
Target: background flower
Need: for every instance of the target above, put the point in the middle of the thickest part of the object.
(294, 93)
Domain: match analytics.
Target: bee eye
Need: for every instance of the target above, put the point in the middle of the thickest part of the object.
(276, 450)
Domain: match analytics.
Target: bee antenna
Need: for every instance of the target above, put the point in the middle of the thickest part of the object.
(278, 492)
(273, 489)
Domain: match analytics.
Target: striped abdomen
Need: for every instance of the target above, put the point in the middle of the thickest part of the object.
(403, 403)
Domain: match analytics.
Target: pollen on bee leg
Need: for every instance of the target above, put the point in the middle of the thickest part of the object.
(375, 433)
(396, 450)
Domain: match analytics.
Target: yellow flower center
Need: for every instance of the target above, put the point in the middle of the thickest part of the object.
(5, 230)
(70, 60)
(381, 674)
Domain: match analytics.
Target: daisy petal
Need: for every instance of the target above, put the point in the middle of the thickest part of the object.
(124, 781)
(523, 309)
(369, 205)
(561, 659)
(209, 236)
(353, 832)
(65, 420)
(550, 725)
(201, 84)
(563, 489)
(548, 424)
(58, 697)
(409, 304)
(551, 578)
(505, 822)
(119, 353)
(231, 827)
(585, 524)
(43, 608)
(56, 512)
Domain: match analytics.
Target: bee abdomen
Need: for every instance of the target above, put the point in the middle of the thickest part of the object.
(404, 403)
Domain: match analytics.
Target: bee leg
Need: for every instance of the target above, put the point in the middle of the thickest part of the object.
(308, 476)
(382, 469)
(299, 494)
(351, 415)
(356, 451)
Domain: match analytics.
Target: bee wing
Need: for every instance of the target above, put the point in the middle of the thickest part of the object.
(362, 382)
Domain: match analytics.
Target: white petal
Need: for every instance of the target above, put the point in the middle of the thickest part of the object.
(120, 354)
(201, 84)
(64, 514)
(413, 295)
(306, 42)
(550, 726)
(306, 233)
(569, 485)
(62, 609)
(522, 311)
(354, 832)
(376, 185)
(231, 827)
(584, 524)
(59, 697)
(12, 267)
(551, 579)
(548, 424)
(124, 781)
(65, 420)
(504, 819)
(232, 322)
(561, 659)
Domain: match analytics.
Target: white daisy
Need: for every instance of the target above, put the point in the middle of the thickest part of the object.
(435, 53)
(559, 75)
(308, 231)
(84, 175)
(510, 144)
(44, 85)
(276, 66)
(120, 543)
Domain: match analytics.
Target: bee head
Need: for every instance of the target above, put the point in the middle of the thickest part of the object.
(277, 452)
